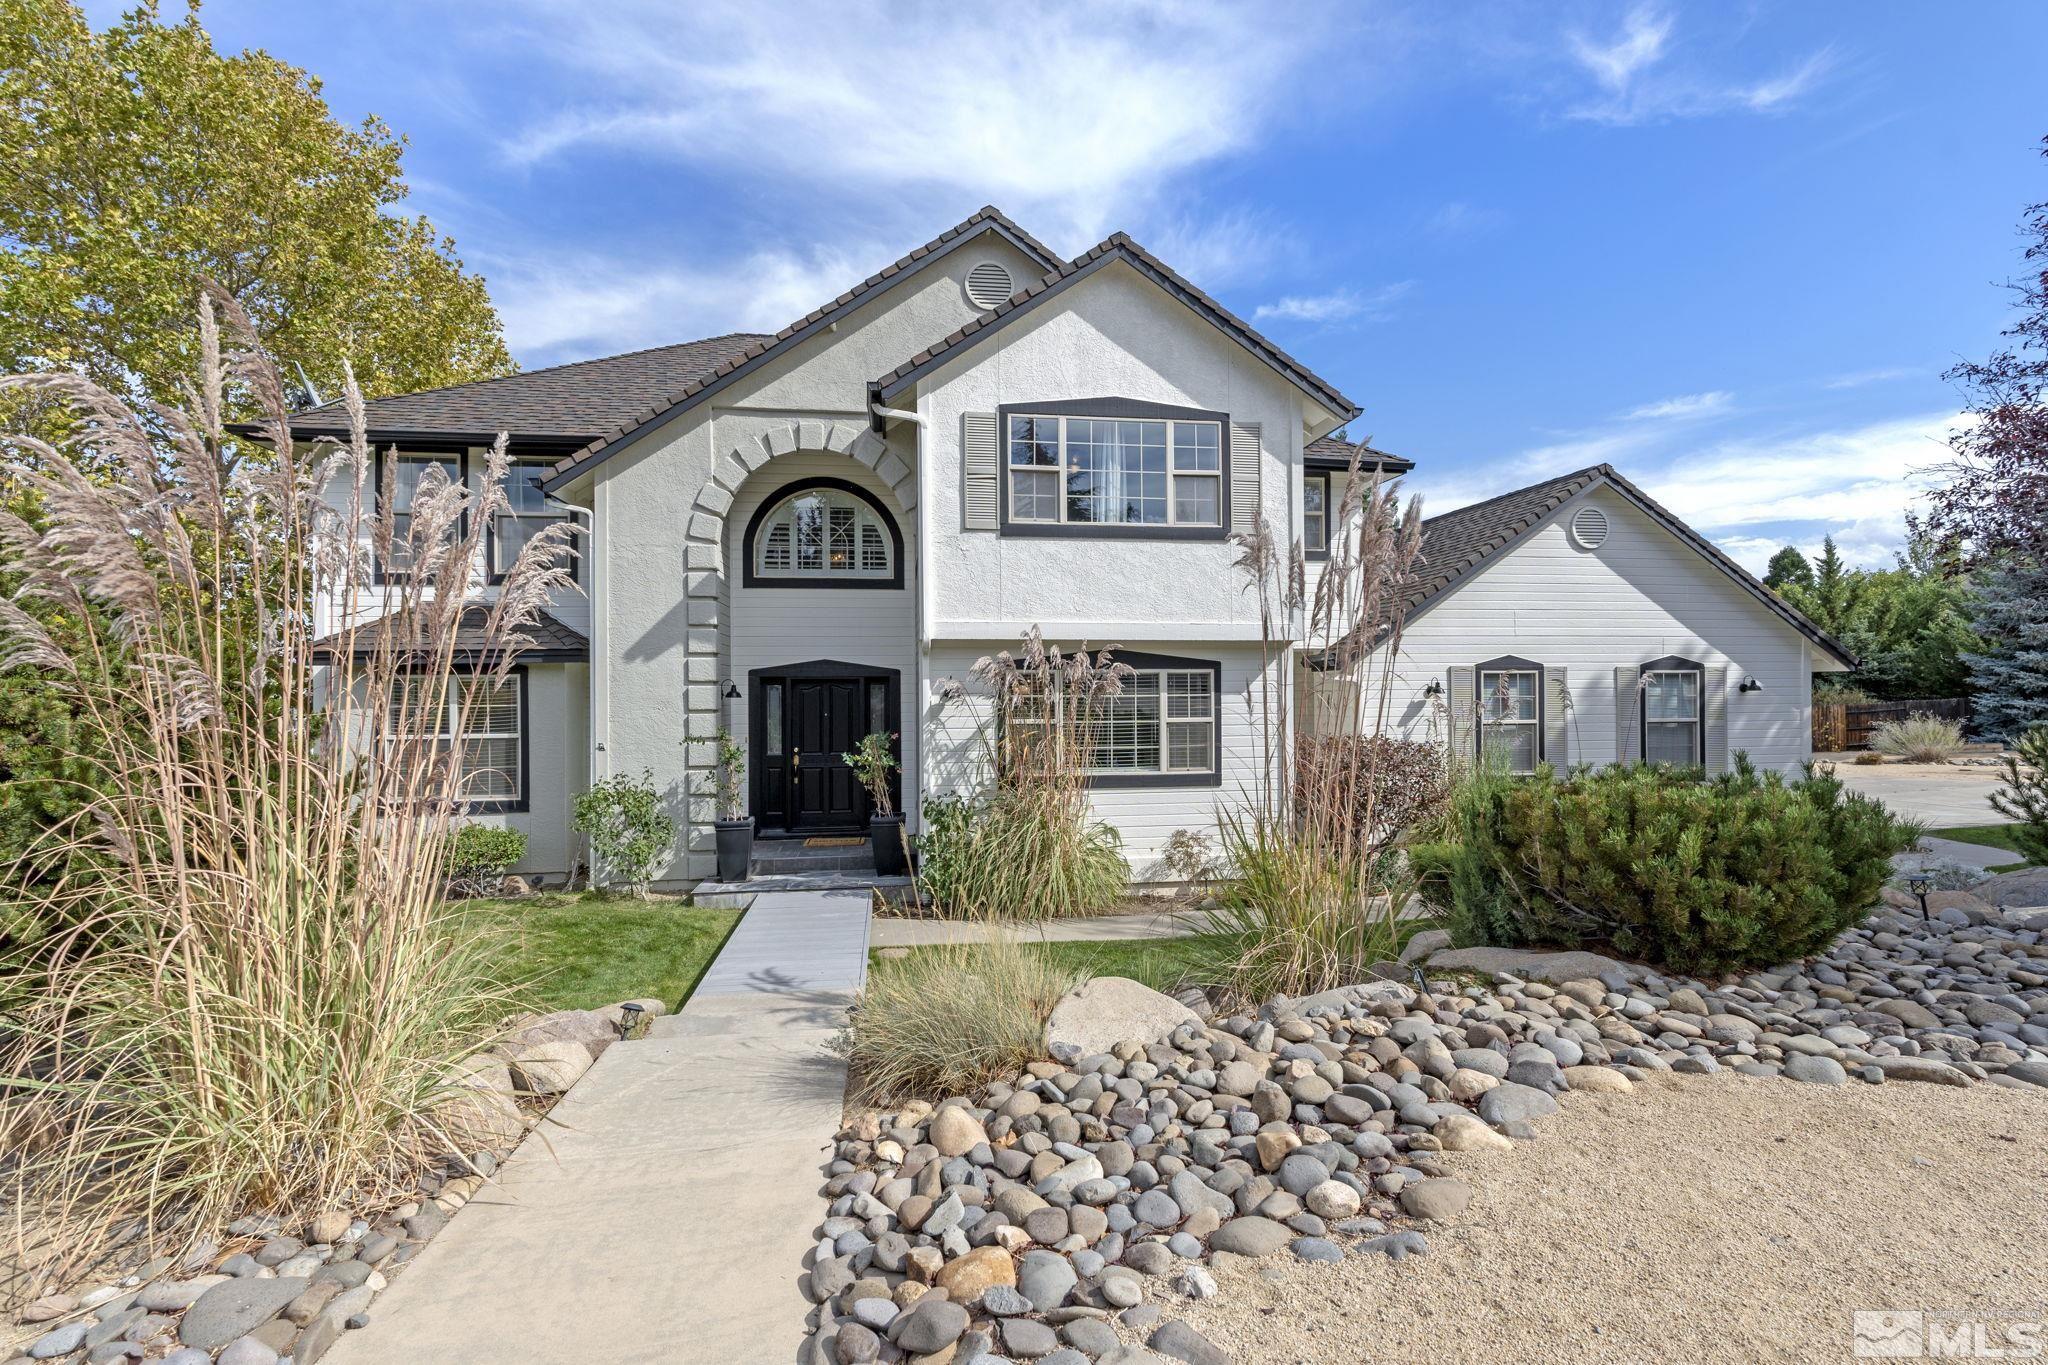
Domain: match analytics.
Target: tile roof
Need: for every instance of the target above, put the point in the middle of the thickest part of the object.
(574, 401)
(1118, 245)
(673, 401)
(1336, 451)
(1458, 543)
(550, 640)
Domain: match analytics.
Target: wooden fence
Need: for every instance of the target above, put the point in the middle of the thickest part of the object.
(1845, 725)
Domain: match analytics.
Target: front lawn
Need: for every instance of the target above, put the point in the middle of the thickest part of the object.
(584, 952)
(1990, 836)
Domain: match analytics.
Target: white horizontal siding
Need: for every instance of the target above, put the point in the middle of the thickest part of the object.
(956, 744)
(1642, 595)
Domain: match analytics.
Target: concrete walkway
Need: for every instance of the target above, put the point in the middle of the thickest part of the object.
(664, 1212)
(1935, 850)
(910, 933)
(1940, 795)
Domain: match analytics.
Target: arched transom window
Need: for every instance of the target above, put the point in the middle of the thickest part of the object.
(824, 532)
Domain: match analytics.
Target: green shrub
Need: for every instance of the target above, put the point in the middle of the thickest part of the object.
(1023, 852)
(948, 1018)
(1919, 738)
(479, 856)
(1698, 874)
(2023, 794)
(631, 835)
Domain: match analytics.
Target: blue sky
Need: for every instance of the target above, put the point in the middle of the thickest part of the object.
(1728, 248)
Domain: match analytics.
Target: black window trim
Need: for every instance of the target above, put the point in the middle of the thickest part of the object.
(1113, 409)
(1180, 664)
(492, 574)
(1511, 663)
(1673, 663)
(382, 572)
(1327, 478)
(750, 578)
(521, 804)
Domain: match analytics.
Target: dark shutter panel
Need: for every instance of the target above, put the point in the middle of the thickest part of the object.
(1464, 707)
(1714, 686)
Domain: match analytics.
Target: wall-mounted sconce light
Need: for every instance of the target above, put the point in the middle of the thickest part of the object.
(1435, 688)
(732, 690)
(1750, 685)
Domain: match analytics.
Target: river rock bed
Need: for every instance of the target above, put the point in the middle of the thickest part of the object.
(1056, 1215)
(279, 1289)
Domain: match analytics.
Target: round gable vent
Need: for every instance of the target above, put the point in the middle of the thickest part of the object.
(1589, 528)
(988, 284)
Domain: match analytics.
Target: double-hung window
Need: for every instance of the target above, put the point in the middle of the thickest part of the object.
(1114, 471)
(483, 720)
(408, 472)
(1160, 724)
(1671, 715)
(1315, 512)
(1510, 718)
(526, 511)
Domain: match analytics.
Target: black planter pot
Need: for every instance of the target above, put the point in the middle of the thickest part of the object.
(735, 849)
(885, 837)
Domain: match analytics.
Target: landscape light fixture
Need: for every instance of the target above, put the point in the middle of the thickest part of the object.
(1922, 882)
(629, 1018)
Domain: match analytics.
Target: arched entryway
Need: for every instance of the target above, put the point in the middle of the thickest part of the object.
(803, 718)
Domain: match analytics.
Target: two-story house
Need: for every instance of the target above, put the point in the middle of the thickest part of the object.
(803, 537)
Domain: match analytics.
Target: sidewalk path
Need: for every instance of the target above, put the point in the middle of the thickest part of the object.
(665, 1211)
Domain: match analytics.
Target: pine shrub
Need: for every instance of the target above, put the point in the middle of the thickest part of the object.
(2022, 796)
(1692, 873)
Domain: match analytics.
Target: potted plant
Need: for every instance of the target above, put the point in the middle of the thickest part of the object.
(873, 763)
(735, 826)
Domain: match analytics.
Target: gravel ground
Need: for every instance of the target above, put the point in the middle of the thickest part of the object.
(1712, 1218)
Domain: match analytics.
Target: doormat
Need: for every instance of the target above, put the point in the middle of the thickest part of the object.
(835, 843)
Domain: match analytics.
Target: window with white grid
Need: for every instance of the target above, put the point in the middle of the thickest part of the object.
(823, 533)
(1508, 717)
(1162, 721)
(1113, 471)
(482, 719)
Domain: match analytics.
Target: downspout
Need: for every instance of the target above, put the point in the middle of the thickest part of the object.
(913, 796)
(897, 415)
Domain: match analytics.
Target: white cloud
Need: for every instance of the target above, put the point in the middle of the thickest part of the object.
(1684, 405)
(1458, 218)
(557, 309)
(1221, 248)
(1638, 85)
(1751, 494)
(1056, 109)
(1342, 305)
(1859, 378)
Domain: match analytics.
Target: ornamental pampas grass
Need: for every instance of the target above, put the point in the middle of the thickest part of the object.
(255, 998)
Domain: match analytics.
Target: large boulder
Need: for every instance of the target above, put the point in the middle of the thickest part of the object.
(1100, 1013)
(1534, 964)
(476, 1108)
(2023, 890)
(550, 1068)
(1341, 998)
(596, 1030)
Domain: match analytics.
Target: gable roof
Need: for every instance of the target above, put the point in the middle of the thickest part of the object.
(678, 400)
(1456, 545)
(1334, 452)
(1118, 247)
(571, 402)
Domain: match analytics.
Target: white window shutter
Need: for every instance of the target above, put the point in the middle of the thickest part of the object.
(1628, 741)
(1245, 463)
(1464, 712)
(1557, 710)
(1715, 681)
(978, 459)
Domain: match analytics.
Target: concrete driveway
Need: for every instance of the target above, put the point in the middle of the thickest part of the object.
(1942, 796)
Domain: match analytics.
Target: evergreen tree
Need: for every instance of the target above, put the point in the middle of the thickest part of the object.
(2011, 670)
(1831, 589)
(1788, 566)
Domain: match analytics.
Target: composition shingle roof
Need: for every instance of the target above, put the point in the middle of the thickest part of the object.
(675, 401)
(575, 401)
(550, 640)
(1458, 543)
(1117, 246)
(1336, 452)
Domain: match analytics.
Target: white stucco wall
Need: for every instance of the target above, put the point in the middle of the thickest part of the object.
(1642, 595)
(956, 744)
(1112, 335)
(663, 606)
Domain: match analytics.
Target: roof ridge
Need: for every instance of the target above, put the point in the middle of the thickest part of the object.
(544, 369)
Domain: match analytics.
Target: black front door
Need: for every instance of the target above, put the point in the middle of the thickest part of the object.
(827, 718)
